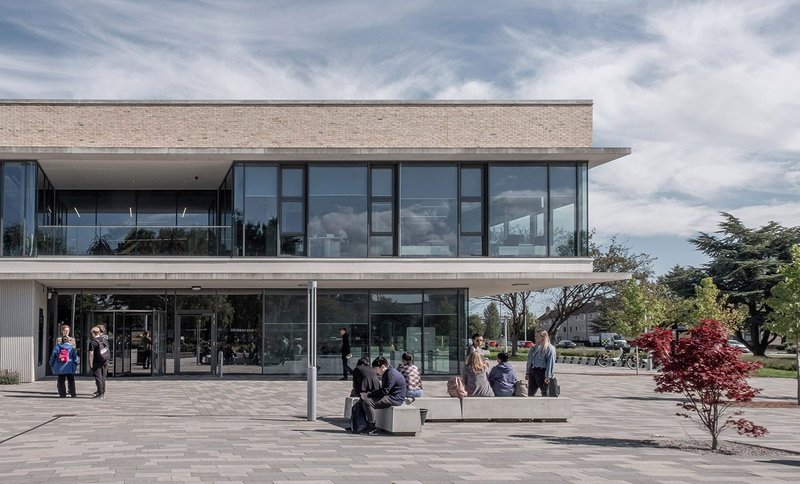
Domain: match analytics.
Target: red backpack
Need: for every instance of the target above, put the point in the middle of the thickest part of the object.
(63, 355)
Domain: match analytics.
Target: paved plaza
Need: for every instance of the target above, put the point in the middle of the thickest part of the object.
(248, 429)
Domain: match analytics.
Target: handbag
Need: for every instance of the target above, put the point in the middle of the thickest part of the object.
(521, 388)
(553, 390)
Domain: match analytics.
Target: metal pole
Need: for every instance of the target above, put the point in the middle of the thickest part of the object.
(220, 362)
(311, 398)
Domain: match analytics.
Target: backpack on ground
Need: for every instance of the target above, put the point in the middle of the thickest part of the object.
(521, 388)
(456, 388)
(553, 389)
(358, 418)
(105, 354)
(63, 355)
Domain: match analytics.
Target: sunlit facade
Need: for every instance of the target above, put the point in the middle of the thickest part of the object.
(201, 223)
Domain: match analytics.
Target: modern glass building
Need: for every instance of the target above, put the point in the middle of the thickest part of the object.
(203, 222)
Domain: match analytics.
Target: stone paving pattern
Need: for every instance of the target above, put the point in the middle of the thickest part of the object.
(247, 429)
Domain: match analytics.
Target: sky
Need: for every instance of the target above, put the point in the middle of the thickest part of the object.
(705, 93)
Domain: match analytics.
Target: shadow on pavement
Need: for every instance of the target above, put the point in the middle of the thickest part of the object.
(596, 441)
(795, 463)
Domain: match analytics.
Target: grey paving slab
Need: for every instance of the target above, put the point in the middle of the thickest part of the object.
(254, 430)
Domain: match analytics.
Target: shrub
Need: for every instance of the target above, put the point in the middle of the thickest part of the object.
(788, 364)
(709, 373)
(8, 377)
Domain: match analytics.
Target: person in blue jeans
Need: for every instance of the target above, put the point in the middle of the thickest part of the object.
(64, 363)
(502, 377)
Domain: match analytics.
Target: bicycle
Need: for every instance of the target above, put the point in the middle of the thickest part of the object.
(625, 359)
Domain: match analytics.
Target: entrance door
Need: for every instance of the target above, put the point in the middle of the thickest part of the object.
(198, 343)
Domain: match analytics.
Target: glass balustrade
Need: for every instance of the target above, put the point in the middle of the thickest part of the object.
(208, 240)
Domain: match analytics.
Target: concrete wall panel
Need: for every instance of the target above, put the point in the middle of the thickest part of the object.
(18, 302)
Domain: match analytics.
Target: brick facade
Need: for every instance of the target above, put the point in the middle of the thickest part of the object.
(557, 124)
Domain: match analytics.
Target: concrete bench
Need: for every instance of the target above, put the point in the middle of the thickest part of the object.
(440, 408)
(537, 409)
(401, 420)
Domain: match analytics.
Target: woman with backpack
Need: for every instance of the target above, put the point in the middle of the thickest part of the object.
(64, 362)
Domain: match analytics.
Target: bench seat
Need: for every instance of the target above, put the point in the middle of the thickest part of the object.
(537, 409)
(440, 408)
(400, 420)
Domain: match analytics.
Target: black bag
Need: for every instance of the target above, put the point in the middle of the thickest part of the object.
(553, 390)
(358, 418)
(103, 351)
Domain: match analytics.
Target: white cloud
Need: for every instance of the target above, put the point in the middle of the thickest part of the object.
(705, 93)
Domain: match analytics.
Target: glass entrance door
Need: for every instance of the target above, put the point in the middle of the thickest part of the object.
(198, 343)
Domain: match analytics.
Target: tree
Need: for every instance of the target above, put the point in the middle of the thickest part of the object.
(636, 309)
(744, 265)
(708, 303)
(517, 304)
(709, 374)
(491, 318)
(475, 325)
(785, 303)
(617, 257)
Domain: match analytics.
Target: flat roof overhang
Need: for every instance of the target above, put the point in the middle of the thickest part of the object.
(54, 155)
(481, 276)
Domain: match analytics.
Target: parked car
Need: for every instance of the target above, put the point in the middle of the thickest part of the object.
(524, 344)
(493, 344)
(565, 343)
(738, 344)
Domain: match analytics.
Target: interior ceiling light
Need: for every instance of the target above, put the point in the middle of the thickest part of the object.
(520, 284)
(130, 211)
(76, 212)
(184, 212)
(196, 288)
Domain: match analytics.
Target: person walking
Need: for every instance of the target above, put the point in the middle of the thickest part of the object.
(146, 347)
(346, 353)
(64, 363)
(99, 355)
(540, 365)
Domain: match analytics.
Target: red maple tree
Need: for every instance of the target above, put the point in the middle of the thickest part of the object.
(708, 372)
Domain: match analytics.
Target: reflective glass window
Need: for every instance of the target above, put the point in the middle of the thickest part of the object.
(337, 211)
(471, 217)
(563, 202)
(382, 185)
(471, 182)
(116, 208)
(396, 321)
(261, 209)
(583, 209)
(285, 349)
(428, 216)
(292, 182)
(382, 217)
(517, 211)
(441, 332)
(156, 208)
(292, 217)
(13, 203)
(335, 310)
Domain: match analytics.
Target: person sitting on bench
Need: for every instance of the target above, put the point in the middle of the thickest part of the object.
(391, 394)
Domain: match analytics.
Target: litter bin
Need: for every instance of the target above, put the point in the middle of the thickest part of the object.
(423, 414)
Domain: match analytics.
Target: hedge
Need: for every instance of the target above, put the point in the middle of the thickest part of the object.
(8, 377)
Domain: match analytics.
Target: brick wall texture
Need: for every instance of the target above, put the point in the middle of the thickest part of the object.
(295, 125)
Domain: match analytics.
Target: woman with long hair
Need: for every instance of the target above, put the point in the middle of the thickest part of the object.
(476, 376)
(540, 365)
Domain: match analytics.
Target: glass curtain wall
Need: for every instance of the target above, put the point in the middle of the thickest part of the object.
(382, 211)
(17, 208)
(256, 206)
(285, 333)
(470, 242)
(563, 210)
(518, 211)
(335, 310)
(337, 211)
(428, 213)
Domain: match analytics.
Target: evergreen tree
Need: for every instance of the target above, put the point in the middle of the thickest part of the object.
(744, 264)
(475, 325)
(785, 303)
(491, 319)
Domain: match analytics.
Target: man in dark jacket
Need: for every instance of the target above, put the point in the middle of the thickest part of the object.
(346, 354)
(365, 377)
(391, 394)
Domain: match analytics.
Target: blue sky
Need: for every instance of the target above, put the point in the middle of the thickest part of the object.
(705, 93)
